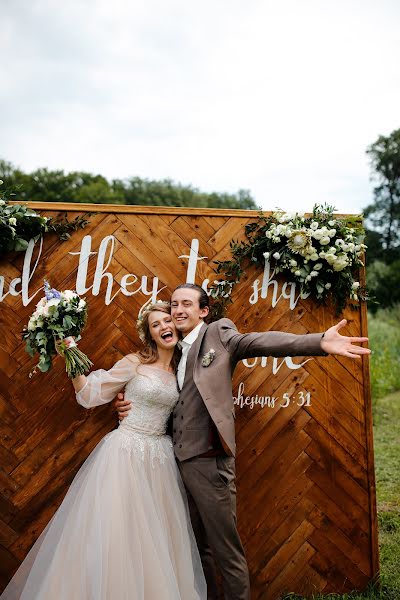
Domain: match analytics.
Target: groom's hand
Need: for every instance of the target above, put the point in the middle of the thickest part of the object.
(123, 406)
(334, 343)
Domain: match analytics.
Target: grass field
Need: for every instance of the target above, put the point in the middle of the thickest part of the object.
(384, 334)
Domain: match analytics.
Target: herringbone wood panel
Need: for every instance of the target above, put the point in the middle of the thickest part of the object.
(306, 503)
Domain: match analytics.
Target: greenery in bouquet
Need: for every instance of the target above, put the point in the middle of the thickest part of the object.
(19, 224)
(322, 253)
(54, 327)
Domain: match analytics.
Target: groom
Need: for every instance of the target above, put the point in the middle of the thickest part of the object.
(203, 426)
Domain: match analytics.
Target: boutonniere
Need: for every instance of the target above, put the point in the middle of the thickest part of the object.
(208, 358)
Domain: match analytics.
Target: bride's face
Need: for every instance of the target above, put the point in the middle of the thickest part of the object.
(162, 329)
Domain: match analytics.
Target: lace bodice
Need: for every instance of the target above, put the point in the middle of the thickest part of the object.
(152, 391)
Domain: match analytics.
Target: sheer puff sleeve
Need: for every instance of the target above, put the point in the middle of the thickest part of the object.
(102, 386)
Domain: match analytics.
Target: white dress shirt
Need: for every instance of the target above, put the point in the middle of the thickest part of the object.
(186, 344)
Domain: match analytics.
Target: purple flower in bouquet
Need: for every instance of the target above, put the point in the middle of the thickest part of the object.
(50, 292)
(54, 328)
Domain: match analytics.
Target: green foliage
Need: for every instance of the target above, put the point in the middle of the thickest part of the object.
(56, 186)
(383, 280)
(384, 213)
(19, 224)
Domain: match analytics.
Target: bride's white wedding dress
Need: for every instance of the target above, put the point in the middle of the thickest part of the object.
(123, 530)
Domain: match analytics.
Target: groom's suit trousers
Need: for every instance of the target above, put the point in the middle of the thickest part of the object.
(210, 483)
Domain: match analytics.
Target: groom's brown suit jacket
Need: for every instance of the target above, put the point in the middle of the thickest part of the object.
(206, 395)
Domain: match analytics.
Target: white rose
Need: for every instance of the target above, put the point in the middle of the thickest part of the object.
(2, 202)
(339, 264)
(40, 310)
(276, 255)
(293, 263)
(82, 304)
(331, 223)
(297, 273)
(12, 221)
(314, 225)
(314, 273)
(328, 285)
(69, 294)
(325, 240)
(332, 232)
(31, 324)
(317, 234)
(266, 255)
(331, 250)
(351, 246)
(308, 278)
(53, 302)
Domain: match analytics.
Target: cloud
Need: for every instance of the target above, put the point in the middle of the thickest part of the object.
(279, 98)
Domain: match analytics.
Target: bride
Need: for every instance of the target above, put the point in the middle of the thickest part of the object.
(122, 531)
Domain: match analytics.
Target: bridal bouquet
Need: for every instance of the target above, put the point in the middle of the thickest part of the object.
(53, 328)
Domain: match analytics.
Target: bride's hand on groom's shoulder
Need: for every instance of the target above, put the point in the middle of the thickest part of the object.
(122, 406)
(335, 343)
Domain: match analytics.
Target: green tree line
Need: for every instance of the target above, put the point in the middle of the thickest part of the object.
(382, 220)
(44, 185)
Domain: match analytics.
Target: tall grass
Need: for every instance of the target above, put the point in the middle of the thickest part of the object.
(384, 334)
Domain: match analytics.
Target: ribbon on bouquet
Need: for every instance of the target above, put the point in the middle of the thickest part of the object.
(65, 344)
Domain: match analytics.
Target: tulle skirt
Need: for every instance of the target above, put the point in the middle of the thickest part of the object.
(122, 531)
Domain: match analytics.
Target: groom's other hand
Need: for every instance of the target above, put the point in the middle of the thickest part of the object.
(334, 343)
(123, 406)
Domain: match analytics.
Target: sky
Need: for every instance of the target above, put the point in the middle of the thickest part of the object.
(281, 98)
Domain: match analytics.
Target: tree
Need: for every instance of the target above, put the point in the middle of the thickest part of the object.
(384, 213)
(78, 186)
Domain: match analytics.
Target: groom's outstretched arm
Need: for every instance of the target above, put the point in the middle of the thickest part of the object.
(276, 343)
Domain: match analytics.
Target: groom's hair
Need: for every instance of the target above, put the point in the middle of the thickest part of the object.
(203, 300)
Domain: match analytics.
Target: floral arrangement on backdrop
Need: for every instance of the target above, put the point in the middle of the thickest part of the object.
(322, 253)
(19, 224)
(54, 328)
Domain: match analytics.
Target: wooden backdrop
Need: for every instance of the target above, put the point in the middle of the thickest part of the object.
(306, 493)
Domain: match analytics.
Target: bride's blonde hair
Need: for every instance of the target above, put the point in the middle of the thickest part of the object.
(149, 354)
